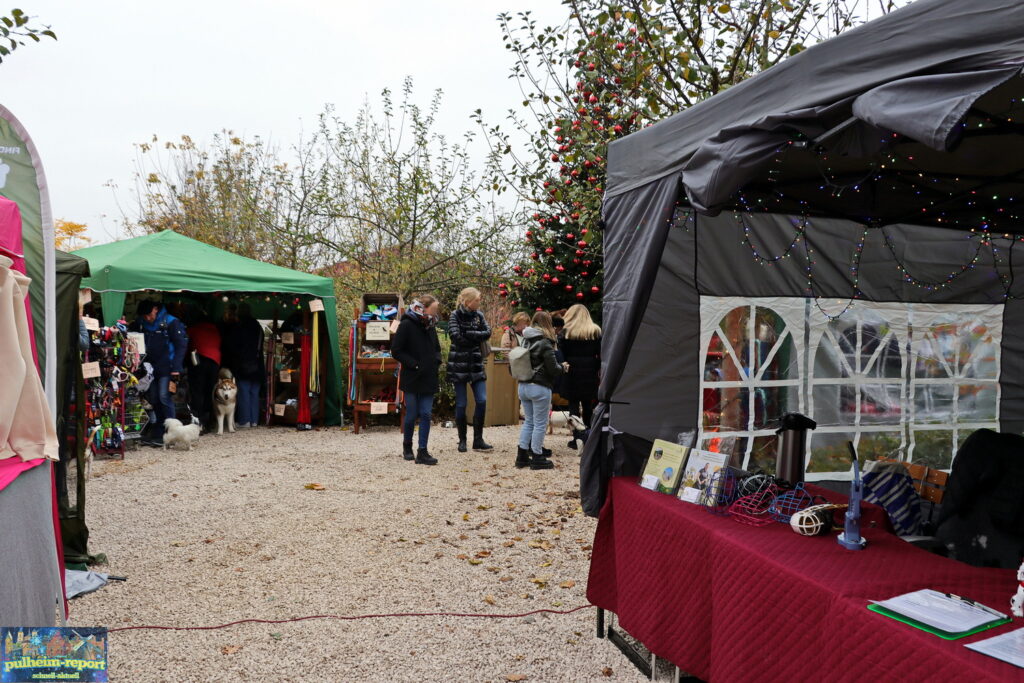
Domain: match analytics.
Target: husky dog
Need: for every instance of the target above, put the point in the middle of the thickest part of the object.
(224, 393)
(178, 434)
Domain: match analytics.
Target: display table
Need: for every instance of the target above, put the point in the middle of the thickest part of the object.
(729, 602)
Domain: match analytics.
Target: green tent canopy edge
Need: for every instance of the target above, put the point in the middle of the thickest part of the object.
(168, 262)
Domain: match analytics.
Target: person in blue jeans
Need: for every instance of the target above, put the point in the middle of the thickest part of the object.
(242, 344)
(418, 350)
(166, 342)
(535, 394)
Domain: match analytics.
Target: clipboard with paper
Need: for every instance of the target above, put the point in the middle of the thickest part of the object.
(945, 615)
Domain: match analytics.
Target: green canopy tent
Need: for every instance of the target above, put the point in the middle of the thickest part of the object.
(169, 262)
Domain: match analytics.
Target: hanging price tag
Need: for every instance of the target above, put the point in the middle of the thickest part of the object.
(316, 305)
(90, 370)
(84, 296)
(286, 376)
(140, 341)
(378, 408)
(394, 326)
(279, 409)
(287, 337)
(91, 323)
(378, 331)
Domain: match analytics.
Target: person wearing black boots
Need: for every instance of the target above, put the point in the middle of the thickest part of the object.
(418, 350)
(535, 394)
(469, 332)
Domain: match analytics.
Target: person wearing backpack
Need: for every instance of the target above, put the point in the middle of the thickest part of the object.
(469, 333)
(418, 350)
(535, 386)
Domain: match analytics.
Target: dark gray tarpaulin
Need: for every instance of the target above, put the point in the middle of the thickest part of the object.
(936, 81)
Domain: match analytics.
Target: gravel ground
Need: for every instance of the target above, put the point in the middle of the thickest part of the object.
(230, 531)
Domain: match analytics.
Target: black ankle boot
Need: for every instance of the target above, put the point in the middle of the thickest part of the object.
(424, 458)
(407, 450)
(478, 442)
(460, 424)
(546, 452)
(539, 462)
(478, 429)
(523, 457)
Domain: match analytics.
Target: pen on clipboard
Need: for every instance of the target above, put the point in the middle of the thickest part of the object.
(972, 603)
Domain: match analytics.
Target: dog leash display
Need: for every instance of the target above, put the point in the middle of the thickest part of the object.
(113, 408)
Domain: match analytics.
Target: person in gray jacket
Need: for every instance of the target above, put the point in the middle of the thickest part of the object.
(535, 394)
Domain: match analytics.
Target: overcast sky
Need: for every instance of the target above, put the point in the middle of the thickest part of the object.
(122, 71)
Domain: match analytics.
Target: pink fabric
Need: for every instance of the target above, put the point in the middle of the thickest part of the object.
(10, 468)
(12, 244)
(730, 602)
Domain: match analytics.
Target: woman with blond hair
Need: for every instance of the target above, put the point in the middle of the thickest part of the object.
(535, 393)
(469, 332)
(418, 350)
(581, 348)
(513, 335)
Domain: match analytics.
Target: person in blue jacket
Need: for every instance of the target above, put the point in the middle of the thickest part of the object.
(166, 343)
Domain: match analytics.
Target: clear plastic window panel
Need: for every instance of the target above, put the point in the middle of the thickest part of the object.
(902, 381)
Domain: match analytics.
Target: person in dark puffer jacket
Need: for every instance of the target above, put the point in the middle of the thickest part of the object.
(535, 395)
(468, 330)
(416, 347)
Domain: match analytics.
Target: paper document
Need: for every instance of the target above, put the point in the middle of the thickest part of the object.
(938, 610)
(1008, 647)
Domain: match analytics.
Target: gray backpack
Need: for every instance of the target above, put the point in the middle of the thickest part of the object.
(519, 363)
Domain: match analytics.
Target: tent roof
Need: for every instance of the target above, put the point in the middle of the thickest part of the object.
(71, 264)
(916, 72)
(168, 261)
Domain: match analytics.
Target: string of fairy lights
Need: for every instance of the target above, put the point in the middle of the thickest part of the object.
(981, 236)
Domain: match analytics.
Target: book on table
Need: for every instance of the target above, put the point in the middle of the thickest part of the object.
(701, 467)
(664, 466)
(944, 614)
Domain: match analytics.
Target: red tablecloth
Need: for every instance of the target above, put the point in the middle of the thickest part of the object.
(730, 602)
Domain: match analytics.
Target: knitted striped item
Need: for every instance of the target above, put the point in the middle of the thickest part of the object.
(887, 484)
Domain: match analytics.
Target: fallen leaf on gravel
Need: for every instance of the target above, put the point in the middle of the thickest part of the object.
(544, 564)
(472, 561)
(517, 538)
(316, 487)
(607, 671)
(230, 649)
(489, 599)
(556, 603)
(509, 544)
(463, 537)
(494, 569)
(207, 540)
(545, 545)
(505, 579)
(540, 583)
(465, 517)
(462, 556)
(178, 544)
(515, 677)
(438, 555)
(484, 553)
(433, 535)
(483, 507)
(510, 506)
(567, 584)
(276, 636)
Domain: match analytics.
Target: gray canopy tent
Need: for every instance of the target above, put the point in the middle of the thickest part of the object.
(834, 236)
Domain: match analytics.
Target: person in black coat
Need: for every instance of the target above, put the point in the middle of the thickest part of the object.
(418, 350)
(580, 346)
(469, 331)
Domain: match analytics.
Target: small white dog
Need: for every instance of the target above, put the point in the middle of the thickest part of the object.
(562, 418)
(176, 433)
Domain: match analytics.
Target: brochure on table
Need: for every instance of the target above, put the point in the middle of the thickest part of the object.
(700, 468)
(1009, 647)
(664, 466)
